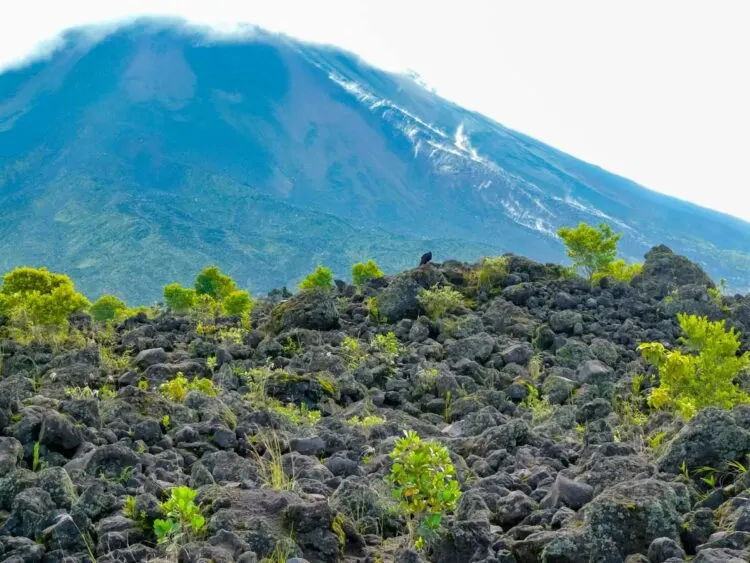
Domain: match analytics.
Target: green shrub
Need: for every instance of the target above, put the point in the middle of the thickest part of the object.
(388, 346)
(177, 389)
(107, 308)
(179, 299)
(184, 521)
(212, 282)
(439, 301)
(491, 271)
(363, 271)
(366, 421)
(36, 297)
(238, 302)
(618, 270)
(321, 278)
(702, 377)
(591, 249)
(351, 353)
(423, 479)
(296, 414)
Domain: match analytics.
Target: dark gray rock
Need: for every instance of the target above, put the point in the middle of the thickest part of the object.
(711, 438)
(59, 432)
(146, 358)
(564, 321)
(477, 348)
(399, 300)
(566, 492)
(11, 452)
(662, 549)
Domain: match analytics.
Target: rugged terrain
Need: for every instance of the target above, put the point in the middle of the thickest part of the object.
(158, 147)
(576, 477)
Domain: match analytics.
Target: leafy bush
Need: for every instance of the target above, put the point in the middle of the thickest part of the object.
(439, 301)
(107, 308)
(366, 421)
(363, 271)
(618, 270)
(423, 478)
(212, 282)
(296, 414)
(321, 278)
(36, 297)
(702, 377)
(351, 353)
(179, 299)
(184, 520)
(591, 249)
(177, 389)
(388, 346)
(491, 271)
(238, 302)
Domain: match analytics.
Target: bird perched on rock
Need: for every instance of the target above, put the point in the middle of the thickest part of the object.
(426, 257)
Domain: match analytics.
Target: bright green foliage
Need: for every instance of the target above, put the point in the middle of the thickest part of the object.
(238, 302)
(177, 389)
(388, 346)
(179, 299)
(296, 414)
(212, 282)
(363, 271)
(423, 479)
(366, 421)
(591, 249)
(491, 271)
(36, 297)
(439, 301)
(107, 308)
(703, 377)
(541, 409)
(618, 270)
(351, 353)
(184, 520)
(321, 278)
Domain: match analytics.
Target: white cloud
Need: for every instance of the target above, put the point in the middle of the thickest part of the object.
(656, 91)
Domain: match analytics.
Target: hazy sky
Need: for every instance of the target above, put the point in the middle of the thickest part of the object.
(657, 91)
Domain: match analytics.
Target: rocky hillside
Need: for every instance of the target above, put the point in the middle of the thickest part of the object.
(284, 431)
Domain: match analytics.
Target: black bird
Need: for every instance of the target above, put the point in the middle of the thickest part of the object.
(426, 257)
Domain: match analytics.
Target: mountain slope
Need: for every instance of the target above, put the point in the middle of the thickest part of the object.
(134, 161)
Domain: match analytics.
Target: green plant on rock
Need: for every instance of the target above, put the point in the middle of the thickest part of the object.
(184, 521)
(541, 409)
(176, 389)
(111, 361)
(367, 421)
(239, 303)
(107, 308)
(423, 480)
(388, 346)
(704, 375)
(37, 301)
(364, 271)
(270, 463)
(296, 414)
(321, 278)
(590, 248)
(491, 271)
(212, 282)
(440, 301)
(619, 270)
(373, 312)
(351, 352)
(179, 299)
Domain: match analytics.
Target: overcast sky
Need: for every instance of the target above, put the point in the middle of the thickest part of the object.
(658, 92)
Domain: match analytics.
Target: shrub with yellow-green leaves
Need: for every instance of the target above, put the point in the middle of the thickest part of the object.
(703, 374)
(423, 479)
(439, 301)
(364, 271)
(321, 278)
(107, 308)
(37, 298)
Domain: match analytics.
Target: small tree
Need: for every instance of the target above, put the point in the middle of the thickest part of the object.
(184, 521)
(238, 303)
(179, 299)
(212, 282)
(363, 271)
(491, 271)
(591, 249)
(423, 478)
(439, 301)
(703, 377)
(36, 297)
(321, 278)
(106, 308)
